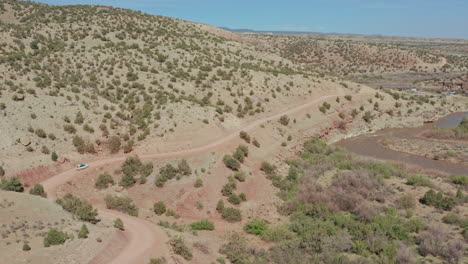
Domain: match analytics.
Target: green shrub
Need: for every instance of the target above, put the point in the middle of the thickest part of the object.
(159, 208)
(240, 176)
(231, 214)
(231, 163)
(55, 237)
(26, 247)
(243, 197)
(118, 223)
(103, 181)
(202, 225)
(179, 248)
(2, 171)
(220, 206)
(256, 143)
(84, 232)
(184, 168)
(277, 234)
(348, 97)
(256, 227)
(243, 135)
(460, 180)
(54, 156)
(38, 190)
(284, 120)
(114, 144)
(12, 184)
(81, 208)
(419, 180)
(122, 204)
(438, 200)
(198, 183)
(234, 199)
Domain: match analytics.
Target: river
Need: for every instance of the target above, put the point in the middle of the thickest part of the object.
(368, 145)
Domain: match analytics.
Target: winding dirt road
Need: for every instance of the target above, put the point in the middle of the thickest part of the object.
(143, 237)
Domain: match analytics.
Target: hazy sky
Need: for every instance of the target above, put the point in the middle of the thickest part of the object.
(418, 18)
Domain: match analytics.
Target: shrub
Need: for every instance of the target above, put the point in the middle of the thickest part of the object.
(159, 208)
(103, 181)
(13, 185)
(348, 97)
(179, 248)
(38, 190)
(184, 167)
(55, 237)
(243, 135)
(256, 143)
(84, 232)
(284, 120)
(367, 117)
(419, 180)
(231, 214)
(438, 200)
(243, 197)
(240, 176)
(54, 156)
(231, 163)
(41, 133)
(118, 223)
(114, 144)
(80, 144)
(229, 188)
(256, 227)
(203, 225)
(26, 247)
(220, 206)
(81, 208)
(122, 204)
(460, 180)
(2, 171)
(127, 180)
(407, 202)
(198, 183)
(234, 199)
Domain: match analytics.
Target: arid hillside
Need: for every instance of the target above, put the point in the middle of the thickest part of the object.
(206, 146)
(84, 77)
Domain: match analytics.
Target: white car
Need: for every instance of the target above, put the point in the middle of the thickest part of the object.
(82, 166)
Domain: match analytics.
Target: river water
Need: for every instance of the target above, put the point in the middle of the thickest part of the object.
(368, 145)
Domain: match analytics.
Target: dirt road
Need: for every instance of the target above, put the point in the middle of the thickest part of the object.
(144, 239)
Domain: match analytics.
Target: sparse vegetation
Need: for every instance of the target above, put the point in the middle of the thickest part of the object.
(122, 204)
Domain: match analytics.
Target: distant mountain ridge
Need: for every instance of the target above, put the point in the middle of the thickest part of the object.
(279, 32)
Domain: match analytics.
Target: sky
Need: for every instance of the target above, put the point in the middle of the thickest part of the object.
(413, 18)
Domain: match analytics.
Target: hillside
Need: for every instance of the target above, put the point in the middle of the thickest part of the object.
(98, 72)
(212, 146)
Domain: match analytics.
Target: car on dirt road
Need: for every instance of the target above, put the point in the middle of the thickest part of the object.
(82, 166)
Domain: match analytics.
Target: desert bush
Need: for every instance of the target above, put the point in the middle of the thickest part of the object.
(407, 202)
(229, 188)
(41, 133)
(38, 190)
(55, 237)
(159, 208)
(122, 204)
(419, 180)
(220, 206)
(256, 143)
(277, 234)
(69, 128)
(234, 199)
(180, 248)
(198, 183)
(231, 162)
(367, 117)
(12, 184)
(231, 214)
(184, 168)
(243, 135)
(202, 225)
(256, 227)
(2, 171)
(118, 223)
(84, 232)
(54, 156)
(26, 247)
(114, 144)
(284, 120)
(460, 180)
(81, 208)
(240, 176)
(438, 200)
(348, 97)
(103, 181)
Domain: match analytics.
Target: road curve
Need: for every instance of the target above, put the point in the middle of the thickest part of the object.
(143, 236)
